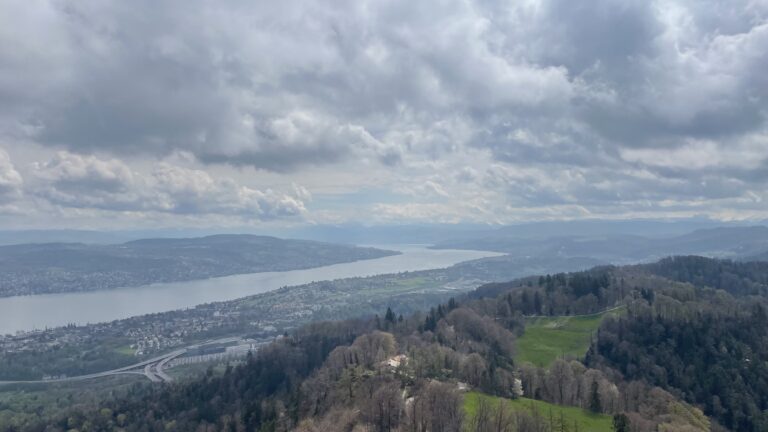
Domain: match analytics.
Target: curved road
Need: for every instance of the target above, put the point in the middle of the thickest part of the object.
(127, 370)
(152, 368)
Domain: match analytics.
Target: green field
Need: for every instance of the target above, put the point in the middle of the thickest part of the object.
(585, 420)
(548, 338)
(125, 350)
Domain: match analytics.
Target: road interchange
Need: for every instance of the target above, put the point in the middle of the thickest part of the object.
(153, 369)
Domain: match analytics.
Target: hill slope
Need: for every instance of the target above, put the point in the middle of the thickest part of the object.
(571, 417)
(63, 267)
(678, 352)
(549, 338)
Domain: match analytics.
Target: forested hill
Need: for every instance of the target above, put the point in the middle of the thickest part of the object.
(672, 356)
(62, 267)
(736, 277)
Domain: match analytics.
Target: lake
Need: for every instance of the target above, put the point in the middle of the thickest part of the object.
(53, 310)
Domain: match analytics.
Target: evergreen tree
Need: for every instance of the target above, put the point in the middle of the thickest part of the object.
(595, 405)
(389, 316)
(430, 323)
(452, 304)
(620, 423)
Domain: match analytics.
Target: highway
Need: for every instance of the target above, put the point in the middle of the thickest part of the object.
(152, 368)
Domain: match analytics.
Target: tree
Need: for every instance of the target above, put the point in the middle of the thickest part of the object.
(517, 388)
(385, 408)
(389, 318)
(620, 423)
(595, 405)
(503, 419)
(436, 407)
(483, 419)
(560, 382)
(452, 304)
(430, 322)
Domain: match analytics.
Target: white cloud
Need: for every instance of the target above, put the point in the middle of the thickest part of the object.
(703, 154)
(477, 109)
(76, 181)
(182, 190)
(10, 179)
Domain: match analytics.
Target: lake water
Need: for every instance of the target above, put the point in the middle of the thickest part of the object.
(52, 310)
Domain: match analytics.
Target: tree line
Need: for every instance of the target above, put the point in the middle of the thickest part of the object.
(677, 344)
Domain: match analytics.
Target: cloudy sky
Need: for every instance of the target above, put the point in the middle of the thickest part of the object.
(241, 113)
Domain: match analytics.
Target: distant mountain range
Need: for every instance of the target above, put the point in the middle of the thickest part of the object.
(726, 242)
(62, 267)
(355, 233)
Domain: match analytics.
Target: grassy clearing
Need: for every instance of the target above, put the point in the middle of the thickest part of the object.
(585, 420)
(417, 282)
(549, 338)
(125, 350)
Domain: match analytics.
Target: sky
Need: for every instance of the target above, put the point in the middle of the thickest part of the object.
(240, 113)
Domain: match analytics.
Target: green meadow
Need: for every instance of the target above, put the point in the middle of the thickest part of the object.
(583, 420)
(548, 338)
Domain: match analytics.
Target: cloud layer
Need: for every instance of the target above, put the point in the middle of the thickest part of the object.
(10, 179)
(465, 110)
(75, 181)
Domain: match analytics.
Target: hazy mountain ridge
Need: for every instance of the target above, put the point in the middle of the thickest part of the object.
(63, 267)
(727, 242)
(356, 233)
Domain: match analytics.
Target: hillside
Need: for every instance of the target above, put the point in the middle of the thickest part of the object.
(65, 267)
(549, 414)
(548, 338)
(676, 356)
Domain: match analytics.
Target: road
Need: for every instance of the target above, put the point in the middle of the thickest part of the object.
(153, 368)
(155, 372)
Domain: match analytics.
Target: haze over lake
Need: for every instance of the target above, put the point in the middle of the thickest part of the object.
(52, 310)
